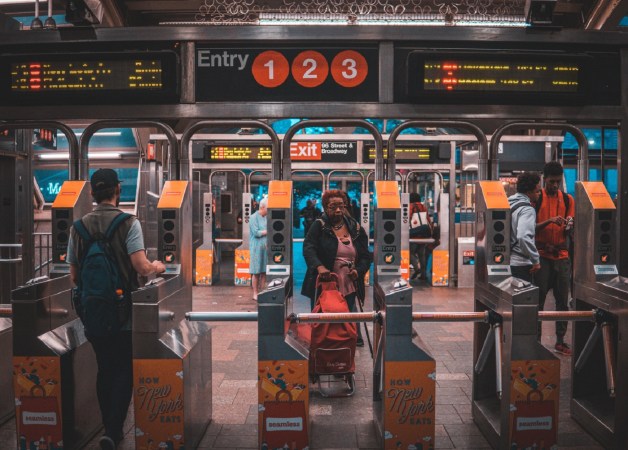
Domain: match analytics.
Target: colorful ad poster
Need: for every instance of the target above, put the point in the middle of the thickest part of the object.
(37, 387)
(405, 264)
(440, 268)
(409, 405)
(534, 404)
(283, 404)
(158, 399)
(204, 267)
(241, 270)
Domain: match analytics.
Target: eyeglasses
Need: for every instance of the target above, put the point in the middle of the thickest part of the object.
(335, 206)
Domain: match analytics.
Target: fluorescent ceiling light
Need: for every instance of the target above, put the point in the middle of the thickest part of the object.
(101, 133)
(64, 155)
(17, 2)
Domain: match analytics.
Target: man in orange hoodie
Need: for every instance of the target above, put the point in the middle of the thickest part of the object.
(554, 222)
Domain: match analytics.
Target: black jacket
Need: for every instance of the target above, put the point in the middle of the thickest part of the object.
(321, 245)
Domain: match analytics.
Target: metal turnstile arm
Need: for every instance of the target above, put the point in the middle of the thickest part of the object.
(587, 350)
(609, 362)
(227, 316)
(499, 334)
(487, 347)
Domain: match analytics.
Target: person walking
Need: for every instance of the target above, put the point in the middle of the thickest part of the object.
(555, 210)
(419, 230)
(310, 213)
(524, 257)
(257, 265)
(114, 383)
(336, 243)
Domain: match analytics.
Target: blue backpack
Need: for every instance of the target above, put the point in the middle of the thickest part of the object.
(101, 299)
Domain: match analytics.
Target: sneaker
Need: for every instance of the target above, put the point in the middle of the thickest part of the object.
(106, 443)
(562, 348)
(360, 342)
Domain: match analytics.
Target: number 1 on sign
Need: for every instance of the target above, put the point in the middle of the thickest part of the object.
(270, 69)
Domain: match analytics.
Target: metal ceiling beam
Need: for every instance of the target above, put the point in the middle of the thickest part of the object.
(151, 7)
(603, 11)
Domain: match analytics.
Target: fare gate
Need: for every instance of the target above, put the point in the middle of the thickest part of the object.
(516, 381)
(7, 399)
(172, 389)
(599, 398)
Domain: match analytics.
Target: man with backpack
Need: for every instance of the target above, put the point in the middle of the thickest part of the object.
(421, 227)
(106, 253)
(524, 257)
(555, 211)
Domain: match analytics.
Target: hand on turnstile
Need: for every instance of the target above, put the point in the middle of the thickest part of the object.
(535, 268)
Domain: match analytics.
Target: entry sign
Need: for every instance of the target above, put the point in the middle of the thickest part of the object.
(235, 74)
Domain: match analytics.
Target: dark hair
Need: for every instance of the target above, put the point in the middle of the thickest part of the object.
(334, 193)
(415, 197)
(104, 194)
(527, 181)
(552, 169)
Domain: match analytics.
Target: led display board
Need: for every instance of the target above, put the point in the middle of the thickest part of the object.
(115, 77)
(405, 153)
(238, 153)
(506, 77)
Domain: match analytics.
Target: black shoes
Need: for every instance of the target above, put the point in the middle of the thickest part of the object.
(106, 443)
(360, 342)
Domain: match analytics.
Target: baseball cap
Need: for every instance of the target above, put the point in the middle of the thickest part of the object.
(104, 179)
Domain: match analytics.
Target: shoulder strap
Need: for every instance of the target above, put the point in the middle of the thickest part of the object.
(115, 223)
(516, 206)
(81, 229)
(539, 202)
(566, 202)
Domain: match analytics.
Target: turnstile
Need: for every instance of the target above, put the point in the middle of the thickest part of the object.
(7, 399)
(599, 397)
(516, 380)
(53, 367)
(172, 373)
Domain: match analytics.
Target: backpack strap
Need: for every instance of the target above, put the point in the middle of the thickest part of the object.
(566, 201)
(115, 223)
(81, 229)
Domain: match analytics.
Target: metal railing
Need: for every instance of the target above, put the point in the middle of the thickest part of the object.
(42, 247)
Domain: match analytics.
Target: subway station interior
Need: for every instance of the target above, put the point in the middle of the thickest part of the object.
(210, 111)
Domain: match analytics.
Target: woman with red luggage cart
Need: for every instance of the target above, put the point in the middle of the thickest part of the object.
(336, 243)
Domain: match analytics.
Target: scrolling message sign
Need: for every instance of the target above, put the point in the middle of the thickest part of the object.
(345, 74)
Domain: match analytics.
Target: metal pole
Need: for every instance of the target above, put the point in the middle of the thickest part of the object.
(489, 343)
(583, 145)
(499, 334)
(173, 156)
(609, 354)
(450, 317)
(287, 139)
(573, 316)
(335, 317)
(587, 350)
(228, 316)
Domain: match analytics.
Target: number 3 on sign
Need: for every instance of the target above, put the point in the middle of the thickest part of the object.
(270, 69)
(349, 68)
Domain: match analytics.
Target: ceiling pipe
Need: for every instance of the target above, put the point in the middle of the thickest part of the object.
(36, 24)
(50, 23)
(600, 14)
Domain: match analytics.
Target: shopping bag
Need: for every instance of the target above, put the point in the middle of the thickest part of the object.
(419, 225)
(39, 416)
(285, 421)
(534, 422)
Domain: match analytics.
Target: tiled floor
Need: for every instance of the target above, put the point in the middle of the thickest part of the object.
(346, 423)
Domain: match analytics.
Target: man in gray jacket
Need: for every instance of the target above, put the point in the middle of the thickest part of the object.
(524, 257)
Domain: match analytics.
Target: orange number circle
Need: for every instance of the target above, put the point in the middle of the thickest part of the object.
(310, 69)
(349, 68)
(270, 69)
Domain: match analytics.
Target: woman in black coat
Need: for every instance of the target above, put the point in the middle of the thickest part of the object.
(336, 243)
